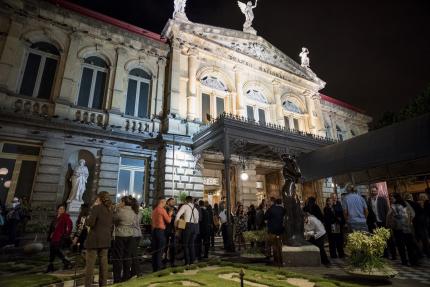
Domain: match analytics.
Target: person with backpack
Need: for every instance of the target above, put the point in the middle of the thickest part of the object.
(191, 217)
(400, 219)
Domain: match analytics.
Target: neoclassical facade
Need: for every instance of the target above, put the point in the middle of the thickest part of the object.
(77, 84)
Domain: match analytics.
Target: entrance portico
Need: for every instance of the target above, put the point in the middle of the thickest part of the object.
(245, 146)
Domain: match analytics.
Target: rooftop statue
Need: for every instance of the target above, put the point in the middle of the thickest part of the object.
(304, 57)
(249, 16)
(179, 12)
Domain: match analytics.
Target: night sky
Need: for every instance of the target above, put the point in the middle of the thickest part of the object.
(374, 54)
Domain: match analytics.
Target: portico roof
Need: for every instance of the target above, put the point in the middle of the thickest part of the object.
(228, 133)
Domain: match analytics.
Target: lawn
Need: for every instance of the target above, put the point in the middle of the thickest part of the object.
(226, 274)
(33, 280)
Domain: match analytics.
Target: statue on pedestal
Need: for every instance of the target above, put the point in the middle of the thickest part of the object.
(79, 181)
(249, 16)
(304, 57)
(294, 225)
(179, 10)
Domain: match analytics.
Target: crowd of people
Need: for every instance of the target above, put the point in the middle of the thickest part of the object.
(186, 232)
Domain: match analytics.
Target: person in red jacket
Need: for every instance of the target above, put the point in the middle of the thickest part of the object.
(58, 235)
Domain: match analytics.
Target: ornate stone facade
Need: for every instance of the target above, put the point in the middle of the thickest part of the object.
(130, 101)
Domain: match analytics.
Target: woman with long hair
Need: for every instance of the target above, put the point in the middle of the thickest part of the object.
(241, 226)
(99, 222)
(137, 235)
(59, 232)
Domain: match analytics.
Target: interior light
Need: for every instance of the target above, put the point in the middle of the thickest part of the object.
(244, 176)
(7, 184)
(3, 171)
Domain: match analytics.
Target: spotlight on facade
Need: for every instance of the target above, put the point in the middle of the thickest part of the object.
(244, 176)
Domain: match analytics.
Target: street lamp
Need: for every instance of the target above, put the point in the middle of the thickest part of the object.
(244, 176)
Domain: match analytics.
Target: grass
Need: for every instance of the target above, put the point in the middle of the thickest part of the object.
(34, 280)
(266, 275)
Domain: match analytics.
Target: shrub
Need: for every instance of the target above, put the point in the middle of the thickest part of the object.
(367, 249)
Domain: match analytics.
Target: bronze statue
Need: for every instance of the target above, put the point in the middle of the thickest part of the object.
(293, 222)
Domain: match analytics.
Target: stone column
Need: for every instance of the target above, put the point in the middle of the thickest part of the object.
(158, 101)
(278, 103)
(319, 121)
(191, 97)
(311, 110)
(248, 189)
(240, 108)
(72, 72)
(119, 98)
(175, 78)
(11, 57)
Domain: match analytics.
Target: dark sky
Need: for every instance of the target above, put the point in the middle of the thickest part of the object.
(374, 54)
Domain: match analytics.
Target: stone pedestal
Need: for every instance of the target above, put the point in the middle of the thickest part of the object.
(73, 209)
(302, 256)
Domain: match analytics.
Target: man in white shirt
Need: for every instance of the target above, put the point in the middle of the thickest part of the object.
(191, 216)
(315, 234)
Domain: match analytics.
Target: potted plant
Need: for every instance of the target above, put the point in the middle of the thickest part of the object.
(366, 252)
(254, 239)
(147, 219)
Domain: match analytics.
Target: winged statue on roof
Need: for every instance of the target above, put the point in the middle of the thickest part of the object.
(247, 10)
(179, 10)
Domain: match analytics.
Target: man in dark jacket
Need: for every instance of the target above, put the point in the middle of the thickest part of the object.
(100, 222)
(204, 236)
(171, 233)
(275, 218)
(275, 227)
(378, 209)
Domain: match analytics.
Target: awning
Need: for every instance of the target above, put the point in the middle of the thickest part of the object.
(397, 151)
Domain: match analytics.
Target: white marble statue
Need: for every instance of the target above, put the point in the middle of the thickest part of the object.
(304, 57)
(249, 16)
(79, 181)
(179, 12)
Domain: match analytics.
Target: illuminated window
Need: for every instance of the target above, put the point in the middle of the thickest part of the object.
(131, 179)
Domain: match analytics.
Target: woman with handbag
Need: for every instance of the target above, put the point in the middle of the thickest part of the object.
(59, 236)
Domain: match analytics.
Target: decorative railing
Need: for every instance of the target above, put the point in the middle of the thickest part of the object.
(89, 117)
(26, 106)
(140, 125)
(243, 120)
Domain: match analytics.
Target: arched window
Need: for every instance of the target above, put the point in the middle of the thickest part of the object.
(339, 133)
(291, 107)
(39, 73)
(137, 104)
(93, 83)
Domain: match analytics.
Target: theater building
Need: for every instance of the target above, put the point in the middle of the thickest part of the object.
(153, 114)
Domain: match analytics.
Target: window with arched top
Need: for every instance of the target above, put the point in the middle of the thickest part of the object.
(39, 72)
(139, 86)
(255, 111)
(339, 133)
(92, 87)
(291, 107)
(214, 92)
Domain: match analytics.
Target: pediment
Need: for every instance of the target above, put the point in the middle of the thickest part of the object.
(249, 45)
